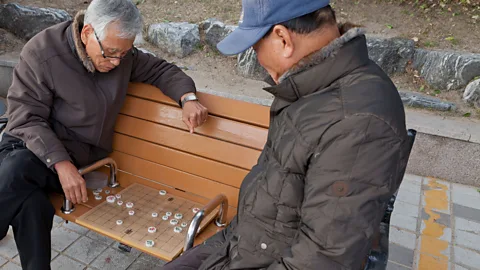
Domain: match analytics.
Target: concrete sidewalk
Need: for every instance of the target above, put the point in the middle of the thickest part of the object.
(435, 225)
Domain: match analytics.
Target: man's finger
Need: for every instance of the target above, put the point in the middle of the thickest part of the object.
(193, 119)
(189, 125)
(78, 194)
(67, 195)
(84, 192)
(199, 119)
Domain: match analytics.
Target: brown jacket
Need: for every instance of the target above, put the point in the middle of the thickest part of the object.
(336, 151)
(64, 110)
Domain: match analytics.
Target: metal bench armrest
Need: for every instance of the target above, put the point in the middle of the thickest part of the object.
(221, 221)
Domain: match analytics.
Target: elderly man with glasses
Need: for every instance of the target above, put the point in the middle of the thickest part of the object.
(67, 91)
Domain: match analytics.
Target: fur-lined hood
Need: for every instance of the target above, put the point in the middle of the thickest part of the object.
(77, 44)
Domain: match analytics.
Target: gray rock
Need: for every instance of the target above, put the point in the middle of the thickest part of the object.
(446, 70)
(179, 39)
(249, 67)
(392, 55)
(139, 40)
(472, 93)
(26, 22)
(215, 31)
(421, 101)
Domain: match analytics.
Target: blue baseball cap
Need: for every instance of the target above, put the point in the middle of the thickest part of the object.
(258, 16)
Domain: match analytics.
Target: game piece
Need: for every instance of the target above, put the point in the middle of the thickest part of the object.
(184, 224)
(98, 197)
(178, 216)
(99, 190)
(165, 217)
(118, 196)
(96, 193)
(152, 229)
(131, 212)
(129, 205)
(162, 192)
(177, 229)
(174, 222)
(111, 199)
(120, 203)
(149, 243)
(119, 222)
(195, 210)
(107, 191)
(154, 214)
(168, 214)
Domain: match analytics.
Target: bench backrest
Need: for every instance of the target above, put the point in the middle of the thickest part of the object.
(153, 146)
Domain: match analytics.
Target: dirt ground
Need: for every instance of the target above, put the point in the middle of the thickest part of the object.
(445, 25)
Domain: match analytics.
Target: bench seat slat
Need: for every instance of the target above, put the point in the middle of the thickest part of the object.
(192, 143)
(219, 128)
(244, 112)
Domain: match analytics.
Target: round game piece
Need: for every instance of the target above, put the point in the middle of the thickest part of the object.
(184, 224)
(96, 193)
(120, 203)
(162, 192)
(98, 197)
(177, 229)
(154, 214)
(119, 222)
(98, 190)
(118, 196)
(111, 199)
(174, 222)
(152, 229)
(149, 243)
(165, 217)
(107, 191)
(178, 216)
(129, 205)
(195, 210)
(131, 212)
(168, 214)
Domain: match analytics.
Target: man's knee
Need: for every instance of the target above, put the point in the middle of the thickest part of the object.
(38, 205)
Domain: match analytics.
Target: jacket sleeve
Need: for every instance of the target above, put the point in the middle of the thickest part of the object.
(170, 79)
(30, 100)
(350, 177)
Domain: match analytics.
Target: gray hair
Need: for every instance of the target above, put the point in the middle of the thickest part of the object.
(101, 13)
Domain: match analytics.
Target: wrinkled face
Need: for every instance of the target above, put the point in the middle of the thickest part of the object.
(105, 54)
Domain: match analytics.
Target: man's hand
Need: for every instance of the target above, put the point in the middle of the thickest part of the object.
(72, 182)
(194, 114)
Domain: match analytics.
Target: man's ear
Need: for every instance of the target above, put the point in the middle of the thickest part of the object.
(87, 30)
(283, 38)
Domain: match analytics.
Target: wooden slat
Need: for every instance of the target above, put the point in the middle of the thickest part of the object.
(192, 143)
(175, 178)
(244, 112)
(182, 161)
(216, 127)
(57, 201)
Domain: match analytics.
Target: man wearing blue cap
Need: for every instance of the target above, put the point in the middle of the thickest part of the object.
(336, 151)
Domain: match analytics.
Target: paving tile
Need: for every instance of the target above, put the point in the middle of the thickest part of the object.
(57, 220)
(405, 209)
(17, 258)
(467, 239)
(408, 196)
(76, 228)
(466, 212)
(439, 199)
(3, 261)
(412, 179)
(85, 250)
(459, 267)
(8, 248)
(64, 263)
(146, 262)
(394, 266)
(432, 246)
(402, 238)
(463, 189)
(446, 236)
(114, 259)
(101, 238)
(409, 186)
(62, 238)
(467, 226)
(11, 266)
(404, 222)
(467, 257)
(401, 255)
(428, 262)
(467, 200)
(10, 231)
(439, 218)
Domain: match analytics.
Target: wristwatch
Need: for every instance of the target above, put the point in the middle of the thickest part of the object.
(189, 97)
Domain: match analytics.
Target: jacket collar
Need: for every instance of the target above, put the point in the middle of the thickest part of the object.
(76, 44)
(322, 68)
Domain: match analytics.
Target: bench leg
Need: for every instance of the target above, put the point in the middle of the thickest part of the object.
(67, 207)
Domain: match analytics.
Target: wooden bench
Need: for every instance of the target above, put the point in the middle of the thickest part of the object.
(153, 148)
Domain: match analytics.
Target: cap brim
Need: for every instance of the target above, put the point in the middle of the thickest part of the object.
(241, 39)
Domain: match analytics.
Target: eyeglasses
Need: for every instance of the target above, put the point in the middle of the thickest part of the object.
(103, 51)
